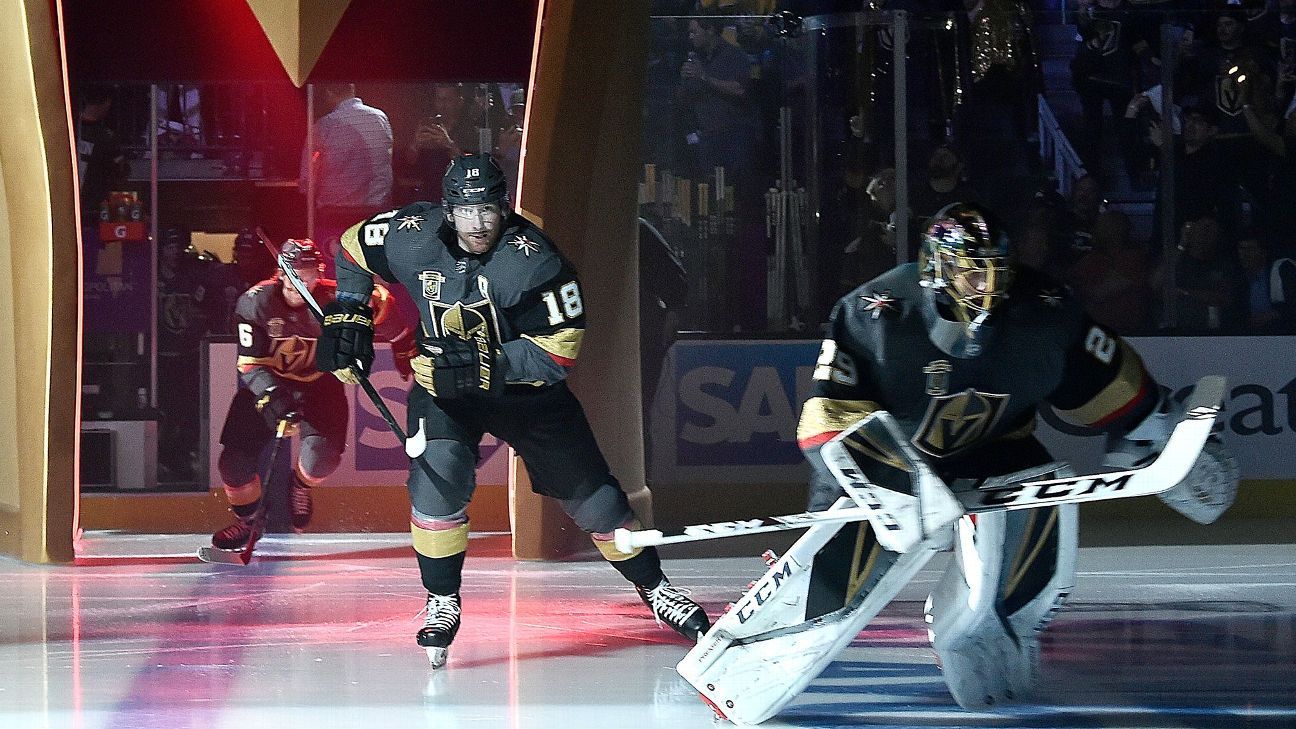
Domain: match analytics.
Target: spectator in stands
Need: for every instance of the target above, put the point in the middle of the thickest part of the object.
(943, 185)
(1112, 279)
(1074, 237)
(1207, 281)
(1115, 42)
(1271, 286)
(426, 157)
(101, 163)
(724, 130)
(508, 141)
(352, 163)
(873, 252)
(450, 109)
(1203, 177)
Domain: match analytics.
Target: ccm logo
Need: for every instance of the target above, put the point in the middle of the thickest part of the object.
(764, 590)
(1046, 490)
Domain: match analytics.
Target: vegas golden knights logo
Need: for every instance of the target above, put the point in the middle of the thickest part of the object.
(956, 422)
(432, 281)
(1229, 96)
(293, 355)
(469, 322)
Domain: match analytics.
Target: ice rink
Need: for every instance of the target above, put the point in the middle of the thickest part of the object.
(319, 634)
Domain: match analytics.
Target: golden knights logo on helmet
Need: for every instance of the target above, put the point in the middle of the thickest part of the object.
(955, 422)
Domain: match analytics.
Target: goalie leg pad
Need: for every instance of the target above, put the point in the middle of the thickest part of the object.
(749, 680)
(1010, 573)
(1210, 487)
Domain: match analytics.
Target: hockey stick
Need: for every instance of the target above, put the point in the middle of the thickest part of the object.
(413, 446)
(1170, 467)
(214, 555)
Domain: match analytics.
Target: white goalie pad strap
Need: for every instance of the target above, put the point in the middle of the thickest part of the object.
(1210, 487)
(750, 680)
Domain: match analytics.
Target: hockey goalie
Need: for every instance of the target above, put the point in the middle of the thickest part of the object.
(921, 417)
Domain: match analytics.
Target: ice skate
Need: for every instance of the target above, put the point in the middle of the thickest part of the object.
(234, 543)
(440, 624)
(303, 506)
(236, 535)
(672, 607)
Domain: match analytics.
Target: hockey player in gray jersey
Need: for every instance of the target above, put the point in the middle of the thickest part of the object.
(278, 381)
(502, 322)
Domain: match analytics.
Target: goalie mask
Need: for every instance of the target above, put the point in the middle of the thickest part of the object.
(475, 195)
(965, 269)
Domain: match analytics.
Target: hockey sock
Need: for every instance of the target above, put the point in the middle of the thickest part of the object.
(442, 575)
(643, 569)
(245, 499)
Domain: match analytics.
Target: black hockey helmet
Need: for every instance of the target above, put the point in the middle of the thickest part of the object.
(474, 179)
(302, 253)
(965, 258)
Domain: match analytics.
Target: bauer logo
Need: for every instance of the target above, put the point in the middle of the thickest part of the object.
(737, 403)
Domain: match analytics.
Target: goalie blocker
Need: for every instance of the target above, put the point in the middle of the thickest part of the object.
(984, 615)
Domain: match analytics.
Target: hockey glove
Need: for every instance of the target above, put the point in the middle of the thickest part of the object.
(346, 340)
(451, 368)
(279, 403)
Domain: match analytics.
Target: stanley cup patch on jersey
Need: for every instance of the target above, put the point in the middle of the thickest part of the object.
(956, 422)
(432, 281)
(938, 372)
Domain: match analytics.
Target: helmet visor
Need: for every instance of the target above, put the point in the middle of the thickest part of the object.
(481, 218)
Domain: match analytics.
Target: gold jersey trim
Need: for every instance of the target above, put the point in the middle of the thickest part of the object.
(273, 364)
(440, 543)
(1116, 395)
(351, 244)
(565, 343)
(825, 415)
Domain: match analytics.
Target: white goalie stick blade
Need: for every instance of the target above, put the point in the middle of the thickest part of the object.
(750, 679)
(1169, 467)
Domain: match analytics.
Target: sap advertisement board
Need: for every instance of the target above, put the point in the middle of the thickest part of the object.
(726, 411)
(373, 455)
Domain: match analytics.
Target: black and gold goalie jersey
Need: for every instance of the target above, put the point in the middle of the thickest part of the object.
(277, 341)
(967, 416)
(523, 290)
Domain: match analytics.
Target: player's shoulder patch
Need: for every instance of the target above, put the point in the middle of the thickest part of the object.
(527, 240)
(255, 298)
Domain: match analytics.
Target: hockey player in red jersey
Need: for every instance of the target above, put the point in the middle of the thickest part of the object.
(502, 322)
(278, 382)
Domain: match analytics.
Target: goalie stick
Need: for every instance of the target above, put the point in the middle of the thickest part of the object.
(414, 445)
(1003, 493)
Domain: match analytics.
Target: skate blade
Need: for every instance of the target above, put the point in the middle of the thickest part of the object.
(213, 555)
(437, 656)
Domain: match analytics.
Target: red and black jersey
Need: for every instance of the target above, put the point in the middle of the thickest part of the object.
(279, 339)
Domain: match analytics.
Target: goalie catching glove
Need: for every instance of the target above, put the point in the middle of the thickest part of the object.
(346, 340)
(1210, 487)
(452, 367)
